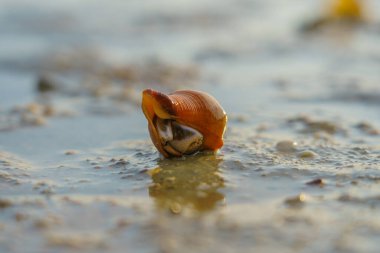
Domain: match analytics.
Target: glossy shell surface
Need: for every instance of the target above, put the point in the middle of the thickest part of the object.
(194, 109)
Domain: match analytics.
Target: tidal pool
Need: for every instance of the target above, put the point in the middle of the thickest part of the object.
(299, 171)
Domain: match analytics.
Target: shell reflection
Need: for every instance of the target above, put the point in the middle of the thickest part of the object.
(192, 184)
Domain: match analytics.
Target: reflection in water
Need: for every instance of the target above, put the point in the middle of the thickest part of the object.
(191, 184)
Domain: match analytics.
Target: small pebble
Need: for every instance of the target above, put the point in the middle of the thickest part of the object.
(47, 191)
(262, 127)
(286, 146)
(4, 203)
(368, 128)
(296, 200)
(20, 217)
(122, 223)
(71, 152)
(45, 84)
(48, 111)
(316, 182)
(307, 154)
(33, 119)
(33, 108)
(354, 182)
(175, 208)
(48, 221)
(241, 118)
(169, 182)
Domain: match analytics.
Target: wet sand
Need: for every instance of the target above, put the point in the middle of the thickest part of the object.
(78, 172)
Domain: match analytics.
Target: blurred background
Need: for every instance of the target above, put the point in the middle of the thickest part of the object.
(114, 50)
(115, 41)
(300, 76)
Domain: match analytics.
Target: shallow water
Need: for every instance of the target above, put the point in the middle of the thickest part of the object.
(299, 169)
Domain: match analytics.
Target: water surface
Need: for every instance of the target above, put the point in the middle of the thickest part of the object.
(299, 169)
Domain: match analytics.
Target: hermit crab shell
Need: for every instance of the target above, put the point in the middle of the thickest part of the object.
(192, 111)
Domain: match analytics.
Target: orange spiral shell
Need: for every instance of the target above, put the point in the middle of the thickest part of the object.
(192, 108)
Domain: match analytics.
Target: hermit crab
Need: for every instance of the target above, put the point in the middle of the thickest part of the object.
(184, 122)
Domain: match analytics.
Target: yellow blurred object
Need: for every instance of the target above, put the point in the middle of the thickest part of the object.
(347, 9)
(339, 14)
